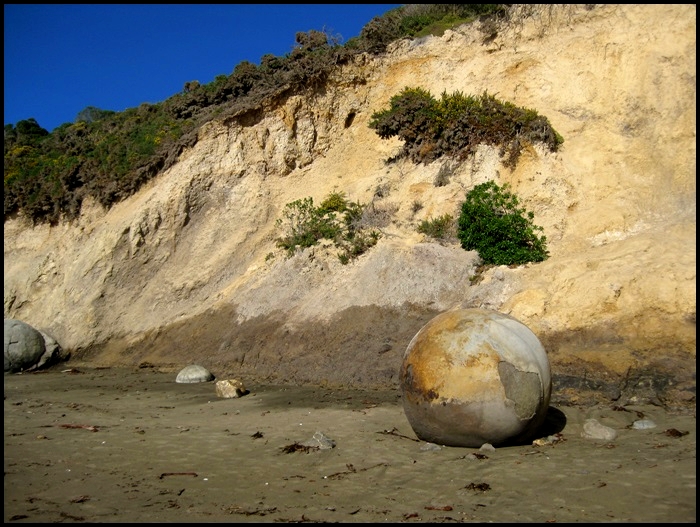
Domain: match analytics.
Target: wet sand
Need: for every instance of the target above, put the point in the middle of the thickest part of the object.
(122, 445)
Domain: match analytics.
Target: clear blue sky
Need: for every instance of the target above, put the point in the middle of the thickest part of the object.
(60, 59)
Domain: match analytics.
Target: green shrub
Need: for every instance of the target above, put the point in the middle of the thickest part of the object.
(336, 219)
(334, 202)
(357, 243)
(492, 223)
(457, 124)
(441, 227)
(305, 225)
(411, 115)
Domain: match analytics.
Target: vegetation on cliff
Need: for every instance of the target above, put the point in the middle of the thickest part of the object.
(456, 124)
(109, 155)
(491, 221)
(343, 222)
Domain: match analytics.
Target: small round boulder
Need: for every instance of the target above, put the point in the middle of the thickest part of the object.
(475, 376)
(194, 373)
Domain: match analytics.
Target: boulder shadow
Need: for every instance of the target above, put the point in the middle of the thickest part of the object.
(554, 423)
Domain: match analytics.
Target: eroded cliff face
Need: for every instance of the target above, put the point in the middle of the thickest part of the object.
(188, 271)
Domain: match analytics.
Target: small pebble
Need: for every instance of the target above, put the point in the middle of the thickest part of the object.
(592, 429)
(643, 424)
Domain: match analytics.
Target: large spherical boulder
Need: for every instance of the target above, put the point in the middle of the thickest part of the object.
(475, 376)
(24, 346)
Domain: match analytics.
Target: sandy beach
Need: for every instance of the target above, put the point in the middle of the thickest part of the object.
(132, 445)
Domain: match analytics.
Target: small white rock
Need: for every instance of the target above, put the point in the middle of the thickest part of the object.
(643, 424)
(430, 447)
(194, 373)
(592, 429)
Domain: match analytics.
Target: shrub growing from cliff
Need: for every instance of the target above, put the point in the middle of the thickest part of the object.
(305, 225)
(457, 124)
(335, 219)
(493, 224)
(440, 228)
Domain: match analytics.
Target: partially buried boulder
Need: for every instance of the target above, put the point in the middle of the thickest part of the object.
(194, 373)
